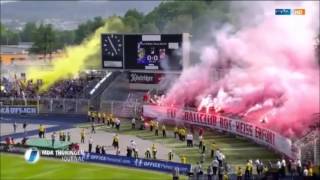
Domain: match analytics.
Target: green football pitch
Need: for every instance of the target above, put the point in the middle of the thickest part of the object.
(15, 167)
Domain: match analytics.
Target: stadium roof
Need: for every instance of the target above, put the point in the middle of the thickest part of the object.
(21, 48)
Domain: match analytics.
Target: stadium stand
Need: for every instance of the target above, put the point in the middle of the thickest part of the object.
(69, 88)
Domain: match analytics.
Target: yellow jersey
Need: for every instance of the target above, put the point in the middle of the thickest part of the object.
(183, 132)
(154, 148)
(116, 138)
(310, 172)
(213, 146)
(249, 167)
(183, 159)
(239, 172)
(225, 177)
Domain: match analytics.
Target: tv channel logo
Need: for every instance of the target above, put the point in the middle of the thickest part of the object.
(290, 11)
(299, 11)
(282, 11)
(32, 155)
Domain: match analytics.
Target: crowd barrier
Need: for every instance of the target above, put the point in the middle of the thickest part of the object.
(260, 135)
(148, 164)
(126, 109)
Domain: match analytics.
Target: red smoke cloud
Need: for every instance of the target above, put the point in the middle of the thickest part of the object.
(270, 70)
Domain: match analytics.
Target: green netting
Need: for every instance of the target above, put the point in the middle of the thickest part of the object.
(47, 144)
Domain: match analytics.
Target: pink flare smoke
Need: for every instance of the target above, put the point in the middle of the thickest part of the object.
(277, 64)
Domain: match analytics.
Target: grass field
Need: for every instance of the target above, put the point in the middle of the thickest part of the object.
(15, 167)
(237, 150)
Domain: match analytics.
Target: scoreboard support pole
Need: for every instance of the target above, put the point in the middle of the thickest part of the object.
(186, 50)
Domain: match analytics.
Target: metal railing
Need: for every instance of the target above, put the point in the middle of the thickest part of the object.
(309, 147)
(127, 109)
(50, 105)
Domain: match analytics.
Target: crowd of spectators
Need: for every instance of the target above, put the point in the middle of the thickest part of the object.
(154, 97)
(157, 98)
(66, 89)
(69, 88)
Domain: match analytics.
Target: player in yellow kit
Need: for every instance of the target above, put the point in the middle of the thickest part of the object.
(82, 135)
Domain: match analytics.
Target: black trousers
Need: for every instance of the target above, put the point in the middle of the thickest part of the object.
(93, 129)
(214, 169)
(90, 148)
(212, 153)
(200, 145)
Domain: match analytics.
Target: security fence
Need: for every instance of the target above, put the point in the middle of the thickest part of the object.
(125, 109)
(309, 147)
(50, 105)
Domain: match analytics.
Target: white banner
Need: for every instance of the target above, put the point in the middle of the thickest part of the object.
(259, 134)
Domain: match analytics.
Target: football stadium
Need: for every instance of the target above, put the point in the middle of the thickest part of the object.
(199, 90)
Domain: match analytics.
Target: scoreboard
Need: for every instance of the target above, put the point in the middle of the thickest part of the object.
(150, 52)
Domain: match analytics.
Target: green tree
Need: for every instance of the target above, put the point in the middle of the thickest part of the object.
(132, 24)
(44, 40)
(85, 29)
(195, 17)
(64, 38)
(28, 31)
(149, 28)
(180, 24)
(7, 36)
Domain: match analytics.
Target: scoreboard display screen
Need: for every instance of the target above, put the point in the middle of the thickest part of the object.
(142, 52)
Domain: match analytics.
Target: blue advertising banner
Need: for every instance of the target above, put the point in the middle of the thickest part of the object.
(164, 166)
(18, 110)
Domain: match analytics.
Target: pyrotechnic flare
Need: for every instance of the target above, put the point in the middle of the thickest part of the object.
(276, 75)
(75, 57)
(206, 103)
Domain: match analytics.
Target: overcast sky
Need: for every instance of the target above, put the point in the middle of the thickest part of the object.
(70, 10)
